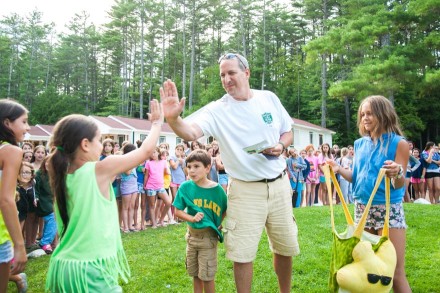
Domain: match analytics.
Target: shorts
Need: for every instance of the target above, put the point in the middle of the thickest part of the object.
(429, 175)
(154, 192)
(271, 209)
(141, 188)
(172, 184)
(6, 252)
(376, 216)
(201, 253)
(223, 179)
(311, 180)
(417, 180)
(321, 179)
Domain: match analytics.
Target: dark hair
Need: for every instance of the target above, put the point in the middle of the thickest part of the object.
(107, 141)
(429, 144)
(9, 110)
(199, 155)
(138, 143)
(67, 136)
(196, 142)
(29, 144)
(128, 148)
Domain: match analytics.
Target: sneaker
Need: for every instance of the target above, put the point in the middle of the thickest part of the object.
(32, 248)
(22, 285)
(47, 248)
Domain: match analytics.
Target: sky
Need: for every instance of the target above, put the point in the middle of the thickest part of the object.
(59, 11)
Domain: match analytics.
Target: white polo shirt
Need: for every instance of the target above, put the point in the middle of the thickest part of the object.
(239, 124)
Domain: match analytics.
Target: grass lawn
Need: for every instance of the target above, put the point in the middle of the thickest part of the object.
(157, 257)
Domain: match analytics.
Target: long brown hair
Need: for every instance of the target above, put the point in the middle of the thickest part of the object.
(9, 110)
(67, 136)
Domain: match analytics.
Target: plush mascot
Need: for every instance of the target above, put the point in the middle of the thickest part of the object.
(370, 271)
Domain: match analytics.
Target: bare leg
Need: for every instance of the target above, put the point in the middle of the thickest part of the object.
(437, 189)
(197, 285)
(167, 202)
(209, 286)
(430, 183)
(243, 276)
(133, 198)
(283, 269)
(400, 283)
(151, 201)
(143, 210)
(126, 199)
(4, 276)
(135, 211)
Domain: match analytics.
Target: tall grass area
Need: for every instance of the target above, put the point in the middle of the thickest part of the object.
(157, 257)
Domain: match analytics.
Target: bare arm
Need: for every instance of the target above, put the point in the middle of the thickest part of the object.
(346, 173)
(172, 108)
(114, 165)
(393, 168)
(186, 217)
(11, 167)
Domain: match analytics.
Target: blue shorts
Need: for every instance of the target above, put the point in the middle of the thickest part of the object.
(6, 253)
(223, 179)
(141, 188)
(321, 179)
(154, 192)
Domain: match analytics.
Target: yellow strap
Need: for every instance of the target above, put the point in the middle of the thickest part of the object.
(329, 177)
(361, 225)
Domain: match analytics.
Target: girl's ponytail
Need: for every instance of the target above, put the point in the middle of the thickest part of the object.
(67, 136)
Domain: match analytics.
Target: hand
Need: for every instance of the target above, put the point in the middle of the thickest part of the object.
(169, 97)
(274, 151)
(335, 166)
(392, 168)
(20, 260)
(198, 217)
(156, 113)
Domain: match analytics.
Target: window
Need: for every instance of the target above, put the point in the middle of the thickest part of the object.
(311, 137)
(321, 140)
(142, 137)
(162, 139)
(178, 140)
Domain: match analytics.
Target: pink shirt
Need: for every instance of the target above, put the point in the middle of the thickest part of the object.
(313, 160)
(156, 170)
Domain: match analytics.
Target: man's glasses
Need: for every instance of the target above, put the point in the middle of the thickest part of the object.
(373, 279)
(26, 173)
(228, 56)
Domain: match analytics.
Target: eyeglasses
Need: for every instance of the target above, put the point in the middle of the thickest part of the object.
(26, 173)
(228, 56)
(373, 279)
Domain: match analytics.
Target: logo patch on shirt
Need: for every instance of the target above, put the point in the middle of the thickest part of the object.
(267, 118)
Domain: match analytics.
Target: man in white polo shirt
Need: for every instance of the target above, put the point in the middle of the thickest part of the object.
(252, 129)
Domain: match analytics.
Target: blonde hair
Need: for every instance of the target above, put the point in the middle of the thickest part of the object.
(384, 112)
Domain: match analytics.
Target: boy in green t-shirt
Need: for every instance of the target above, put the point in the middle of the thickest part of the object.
(205, 203)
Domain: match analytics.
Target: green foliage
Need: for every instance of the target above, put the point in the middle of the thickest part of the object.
(157, 257)
(368, 46)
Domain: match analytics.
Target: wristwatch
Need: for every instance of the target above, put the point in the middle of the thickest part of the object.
(400, 174)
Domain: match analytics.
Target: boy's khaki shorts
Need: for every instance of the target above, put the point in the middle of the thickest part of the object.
(253, 206)
(201, 253)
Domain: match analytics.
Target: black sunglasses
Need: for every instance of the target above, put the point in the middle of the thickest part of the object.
(228, 56)
(373, 279)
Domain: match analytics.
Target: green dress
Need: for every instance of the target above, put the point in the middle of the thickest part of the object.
(90, 256)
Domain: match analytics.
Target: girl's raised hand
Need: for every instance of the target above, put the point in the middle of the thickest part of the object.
(156, 112)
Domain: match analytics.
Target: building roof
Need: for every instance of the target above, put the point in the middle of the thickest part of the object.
(111, 122)
(46, 128)
(37, 131)
(311, 125)
(138, 124)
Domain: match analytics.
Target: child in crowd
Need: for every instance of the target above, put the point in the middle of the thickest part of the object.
(108, 146)
(44, 198)
(129, 192)
(27, 156)
(140, 171)
(13, 127)
(27, 147)
(177, 163)
(34, 224)
(325, 155)
(90, 256)
(205, 204)
(154, 184)
(25, 192)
